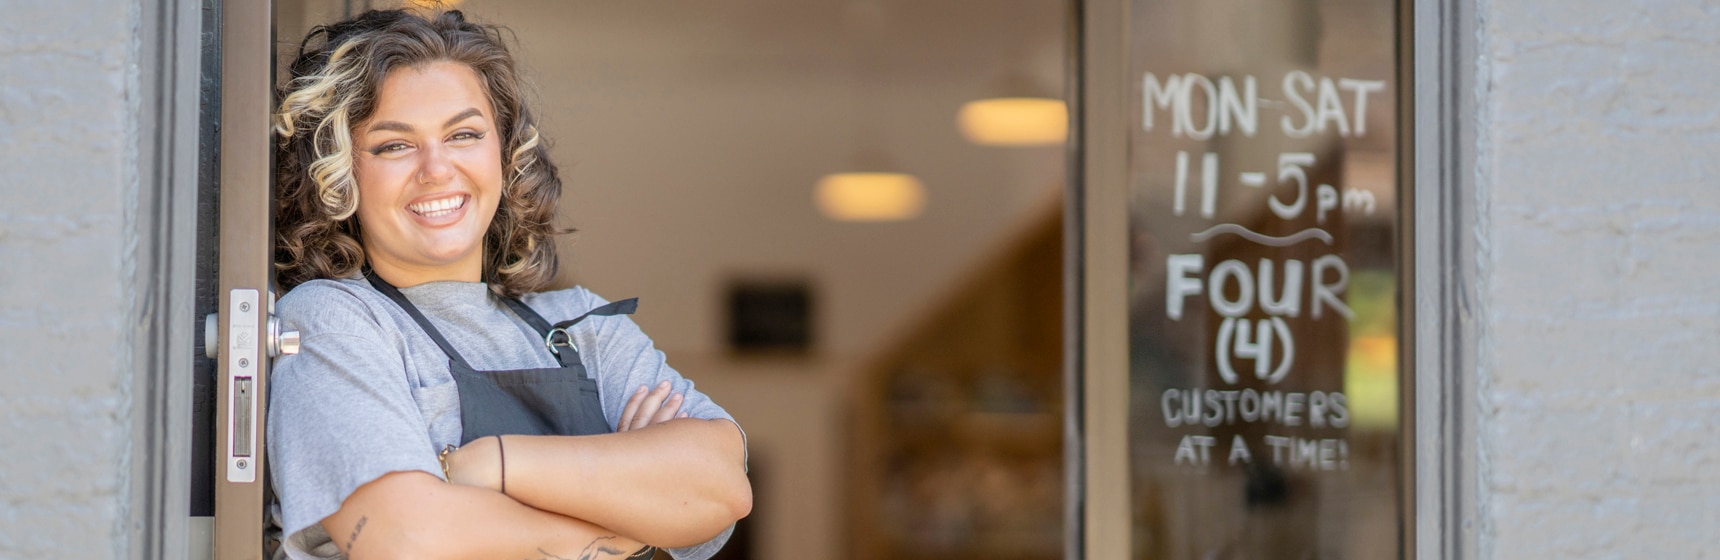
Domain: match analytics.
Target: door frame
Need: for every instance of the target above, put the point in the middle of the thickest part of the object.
(164, 332)
(160, 326)
(245, 287)
(1438, 44)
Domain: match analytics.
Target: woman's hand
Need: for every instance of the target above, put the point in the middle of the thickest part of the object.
(477, 464)
(646, 408)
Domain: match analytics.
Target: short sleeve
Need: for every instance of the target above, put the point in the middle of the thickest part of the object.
(341, 412)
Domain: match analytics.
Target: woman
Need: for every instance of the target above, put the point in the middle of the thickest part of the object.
(441, 407)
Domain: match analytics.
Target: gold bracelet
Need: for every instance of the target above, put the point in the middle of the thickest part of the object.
(443, 459)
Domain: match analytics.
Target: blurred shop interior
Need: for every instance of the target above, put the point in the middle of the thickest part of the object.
(831, 238)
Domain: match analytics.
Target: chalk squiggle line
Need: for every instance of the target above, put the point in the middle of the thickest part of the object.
(1263, 239)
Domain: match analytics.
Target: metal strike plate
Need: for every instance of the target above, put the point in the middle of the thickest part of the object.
(243, 353)
(242, 422)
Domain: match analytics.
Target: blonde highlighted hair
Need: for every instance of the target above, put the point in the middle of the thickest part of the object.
(333, 86)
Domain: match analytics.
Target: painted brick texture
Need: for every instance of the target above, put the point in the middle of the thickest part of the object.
(68, 174)
(1599, 210)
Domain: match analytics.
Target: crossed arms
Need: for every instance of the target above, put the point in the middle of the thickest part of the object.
(660, 481)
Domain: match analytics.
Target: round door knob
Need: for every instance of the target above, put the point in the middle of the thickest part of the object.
(281, 343)
(289, 343)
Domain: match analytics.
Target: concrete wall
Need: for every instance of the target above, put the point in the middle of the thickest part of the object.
(1599, 210)
(68, 182)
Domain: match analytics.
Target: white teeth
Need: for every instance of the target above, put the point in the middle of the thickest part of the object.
(440, 207)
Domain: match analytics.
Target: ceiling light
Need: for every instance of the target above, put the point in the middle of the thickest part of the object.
(870, 197)
(1014, 121)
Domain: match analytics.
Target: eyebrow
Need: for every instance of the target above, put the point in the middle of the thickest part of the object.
(403, 127)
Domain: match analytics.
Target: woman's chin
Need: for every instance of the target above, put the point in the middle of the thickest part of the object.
(450, 245)
(450, 257)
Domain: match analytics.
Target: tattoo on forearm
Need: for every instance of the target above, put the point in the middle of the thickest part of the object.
(598, 549)
(353, 540)
(548, 556)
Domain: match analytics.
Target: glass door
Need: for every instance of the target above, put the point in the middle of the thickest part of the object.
(1243, 227)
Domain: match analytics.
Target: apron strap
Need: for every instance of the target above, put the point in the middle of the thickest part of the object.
(528, 315)
(556, 337)
(623, 307)
(423, 322)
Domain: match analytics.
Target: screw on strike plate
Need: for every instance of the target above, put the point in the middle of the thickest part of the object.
(243, 464)
(244, 362)
(245, 306)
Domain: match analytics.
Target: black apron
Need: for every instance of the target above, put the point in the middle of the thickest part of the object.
(559, 401)
(542, 401)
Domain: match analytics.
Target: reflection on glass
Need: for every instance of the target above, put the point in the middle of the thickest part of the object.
(1263, 300)
(960, 453)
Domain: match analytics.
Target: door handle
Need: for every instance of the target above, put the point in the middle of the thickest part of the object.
(241, 350)
(281, 342)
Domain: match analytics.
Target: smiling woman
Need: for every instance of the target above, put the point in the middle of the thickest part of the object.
(433, 410)
(335, 126)
(428, 182)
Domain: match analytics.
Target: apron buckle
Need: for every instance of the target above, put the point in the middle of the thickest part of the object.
(550, 341)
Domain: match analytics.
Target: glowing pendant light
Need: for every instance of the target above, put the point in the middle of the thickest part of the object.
(874, 191)
(1024, 113)
(869, 196)
(1014, 121)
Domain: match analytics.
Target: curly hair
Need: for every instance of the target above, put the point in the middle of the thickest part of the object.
(333, 87)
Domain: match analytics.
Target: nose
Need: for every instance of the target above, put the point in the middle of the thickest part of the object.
(435, 167)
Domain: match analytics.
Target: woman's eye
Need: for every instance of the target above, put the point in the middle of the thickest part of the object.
(386, 148)
(467, 136)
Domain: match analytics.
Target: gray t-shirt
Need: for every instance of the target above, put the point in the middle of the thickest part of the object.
(369, 393)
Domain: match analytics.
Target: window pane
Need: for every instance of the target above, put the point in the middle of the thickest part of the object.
(1263, 319)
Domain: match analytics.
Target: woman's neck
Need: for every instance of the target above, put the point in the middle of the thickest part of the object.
(402, 275)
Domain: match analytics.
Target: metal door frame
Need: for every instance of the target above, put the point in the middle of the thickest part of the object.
(245, 293)
(1098, 273)
(161, 330)
(1437, 45)
(1440, 48)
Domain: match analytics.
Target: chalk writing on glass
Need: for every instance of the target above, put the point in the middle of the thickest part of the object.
(1254, 298)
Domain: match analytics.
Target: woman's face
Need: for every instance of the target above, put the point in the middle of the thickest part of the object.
(429, 175)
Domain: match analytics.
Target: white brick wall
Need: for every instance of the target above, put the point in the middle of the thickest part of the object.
(1599, 182)
(68, 176)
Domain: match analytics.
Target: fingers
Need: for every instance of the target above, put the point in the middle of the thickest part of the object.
(630, 410)
(649, 406)
(670, 407)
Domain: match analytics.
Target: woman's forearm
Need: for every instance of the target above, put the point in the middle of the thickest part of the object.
(674, 484)
(414, 515)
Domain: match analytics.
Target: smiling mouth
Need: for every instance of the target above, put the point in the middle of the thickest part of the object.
(439, 207)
